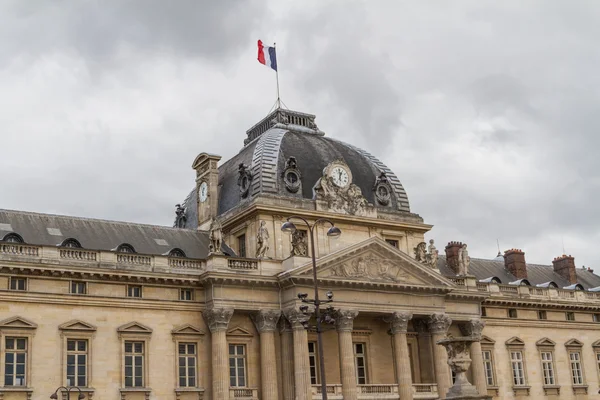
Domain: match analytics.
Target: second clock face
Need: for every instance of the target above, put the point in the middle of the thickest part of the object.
(340, 176)
(203, 192)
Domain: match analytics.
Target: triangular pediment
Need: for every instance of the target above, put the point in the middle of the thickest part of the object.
(515, 341)
(239, 331)
(17, 323)
(487, 340)
(574, 343)
(187, 329)
(134, 327)
(545, 342)
(77, 325)
(373, 261)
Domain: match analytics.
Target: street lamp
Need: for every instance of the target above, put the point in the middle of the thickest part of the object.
(333, 232)
(54, 395)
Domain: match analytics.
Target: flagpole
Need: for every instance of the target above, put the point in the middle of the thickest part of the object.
(278, 102)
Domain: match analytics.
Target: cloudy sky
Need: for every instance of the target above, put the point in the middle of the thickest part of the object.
(487, 111)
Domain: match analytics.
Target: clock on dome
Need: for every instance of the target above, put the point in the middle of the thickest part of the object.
(203, 192)
(339, 176)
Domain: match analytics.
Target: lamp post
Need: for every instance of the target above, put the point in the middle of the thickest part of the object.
(54, 395)
(333, 231)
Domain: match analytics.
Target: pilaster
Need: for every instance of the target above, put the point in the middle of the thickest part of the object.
(297, 320)
(217, 320)
(344, 324)
(398, 328)
(266, 323)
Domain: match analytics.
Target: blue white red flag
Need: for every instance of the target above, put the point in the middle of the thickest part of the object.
(266, 55)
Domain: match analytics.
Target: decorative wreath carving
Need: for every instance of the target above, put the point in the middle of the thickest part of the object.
(244, 179)
(291, 175)
(383, 190)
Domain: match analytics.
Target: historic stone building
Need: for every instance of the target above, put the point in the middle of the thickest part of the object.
(209, 308)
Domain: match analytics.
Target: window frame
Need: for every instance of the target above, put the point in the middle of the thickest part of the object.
(491, 370)
(364, 356)
(135, 332)
(315, 356)
(244, 357)
(395, 243)
(542, 315)
(570, 316)
(76, 353)
(189, 334)
(574, 346)
(128, 291)
(184, 290)
(509, 312)
(16, 351)
(517, 345)
(487, 344)
(18, 278)
(242, 239)
(73, 285)
(17, 327)
(78, 330)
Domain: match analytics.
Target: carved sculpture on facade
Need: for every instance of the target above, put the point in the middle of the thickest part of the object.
(217, 319)
(368, 267)
(340, 197)
(266, 320)
(216, 237)
(344, 319)
(439, 323)
(299, 243)
(432, 254)
(383, 189)
(180, 217)
(262, 240)
(292, 178)
(473, 328)
(244, 179)
(421, 253)
(464, 260)
(399, 321)
(459, 360)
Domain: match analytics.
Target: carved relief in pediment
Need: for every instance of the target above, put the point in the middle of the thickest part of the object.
(368, 267)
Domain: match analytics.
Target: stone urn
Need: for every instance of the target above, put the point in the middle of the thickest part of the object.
(459, 359)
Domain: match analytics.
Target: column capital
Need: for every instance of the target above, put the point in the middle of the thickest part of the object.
(344, 319)
(472, 328)
(421, 326)
(399, 321)
(439, 323)
(217, 319)
(266, 320)
(284, 325)
(296, 318)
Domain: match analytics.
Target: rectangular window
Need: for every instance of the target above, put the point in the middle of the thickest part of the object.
(237, 365)
(134, 291)
(360, 363)
(134, 364)
(518, 369)
(312, 363)
(18, 283)
(392, 242)
(242, 245)
(576, 369)
(598, 360)
(188, 360)
(570, 316)
(596, 317)
(78, 288)
(15, 362)
(512, 313)
(77, 362)
(483, 312)
(488, 364)
(186, 294)
(542, 314)
(547, 367)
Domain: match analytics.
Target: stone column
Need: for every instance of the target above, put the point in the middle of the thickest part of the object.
(344, 324)
(266, 322)
(399, 327)
(425, 357)
(438, 326)
(301, 365)
(473, 328)
(287, 360)
(217, 320)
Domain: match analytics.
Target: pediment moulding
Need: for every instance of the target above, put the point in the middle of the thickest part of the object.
(134, 328)
(78, 326)
(573, 343)
(240, 332)
(515, 341)
(187, 330)
(545, 342)
(486, 340)
(17, 323)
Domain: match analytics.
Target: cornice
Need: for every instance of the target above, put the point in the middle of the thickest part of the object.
(510, 323)
(291, 281)
(234, 279)
(541, 303)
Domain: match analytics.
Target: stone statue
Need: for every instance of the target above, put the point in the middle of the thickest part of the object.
(432, 255)
(463, 260)
(299, 244)
(262, 240)
(180, 217)
(421, 252)
(216, 237)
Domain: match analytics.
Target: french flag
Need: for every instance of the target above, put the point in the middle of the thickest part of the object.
(266, 55)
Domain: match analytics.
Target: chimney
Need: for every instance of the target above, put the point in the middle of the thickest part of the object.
(207, 187)
(565, 267)
(452, 255)
(514, 262)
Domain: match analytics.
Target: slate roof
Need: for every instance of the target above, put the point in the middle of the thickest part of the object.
(96, 234)
(536, 273)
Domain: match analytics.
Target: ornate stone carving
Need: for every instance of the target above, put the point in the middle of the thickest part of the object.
(459, 360)
(473, 328)
(464, 260)
(346, 199)
(262, 240)
(439, 323)
(266, 320)
(244, 179)
(296, 318)
(217, 319)
(180, 217)
(399, 321)
(291, 175)
(421, 253)
(432, 255)
(383, 189)
(216, 237)
(368, 267)
(299, 243)
(344, 319)
(421, 326)
(284, 325)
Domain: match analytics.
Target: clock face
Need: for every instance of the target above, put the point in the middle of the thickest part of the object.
(203, 192)
(340, 176)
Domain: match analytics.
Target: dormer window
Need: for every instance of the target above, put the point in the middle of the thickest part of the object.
(125, 248)
(13, 238)
(177, 253)
(70, 242)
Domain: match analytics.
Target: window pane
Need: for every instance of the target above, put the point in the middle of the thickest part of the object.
(231, 349)
(128, 347)
(192, 381)
(181, 348)
(8, 379)
(191, 349)
(9, 357)
(82, 345)
(20, 358)
(21, 344)
(138, 381)
(81, 381)
(128, 381)
(138, 347)
(70, 345)
(10, 344)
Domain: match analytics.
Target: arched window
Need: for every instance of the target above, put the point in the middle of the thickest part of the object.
(70, 242)
(125, 248)
(176, 252)
(13, 238)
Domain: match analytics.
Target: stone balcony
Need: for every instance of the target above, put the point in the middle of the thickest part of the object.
(243, 393)
(424, 391)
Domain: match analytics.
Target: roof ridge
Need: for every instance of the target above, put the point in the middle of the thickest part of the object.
(96, 220)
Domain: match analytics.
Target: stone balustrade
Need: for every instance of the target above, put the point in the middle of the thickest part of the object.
(78, 254)
(243, 393)
(185, 263)
(134, 259)
(524, 291)
(18, 249)
(423, 391)
(242, 263)
(459, 281)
